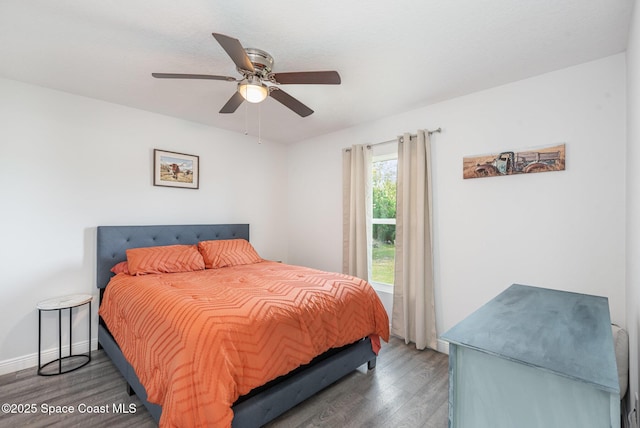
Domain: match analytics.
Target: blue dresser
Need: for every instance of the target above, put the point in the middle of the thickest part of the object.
(534, 358)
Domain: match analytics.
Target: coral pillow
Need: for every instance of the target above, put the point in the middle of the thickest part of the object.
(122, 267)
(165, 259)
(228, 252)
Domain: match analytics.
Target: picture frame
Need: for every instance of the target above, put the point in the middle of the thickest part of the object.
(172, 169)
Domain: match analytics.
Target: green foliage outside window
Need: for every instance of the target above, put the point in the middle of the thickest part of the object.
(384, 207)
(384, 199)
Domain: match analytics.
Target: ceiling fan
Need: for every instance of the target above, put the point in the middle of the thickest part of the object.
(258, 81)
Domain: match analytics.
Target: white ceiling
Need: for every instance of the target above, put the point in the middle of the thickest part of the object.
(392, 56)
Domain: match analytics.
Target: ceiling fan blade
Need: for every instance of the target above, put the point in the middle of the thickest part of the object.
(192, 76)
(290, 102)
(235, 50)
(233, 103)
(307, 77)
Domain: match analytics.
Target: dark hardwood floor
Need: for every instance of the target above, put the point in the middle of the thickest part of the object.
(408, 388)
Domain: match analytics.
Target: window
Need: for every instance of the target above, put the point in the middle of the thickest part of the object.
(385, 168)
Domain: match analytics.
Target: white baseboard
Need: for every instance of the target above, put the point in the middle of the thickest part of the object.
(31, 360)
(443, 346)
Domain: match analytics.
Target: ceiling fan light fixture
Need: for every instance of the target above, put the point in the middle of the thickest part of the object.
(253, 90)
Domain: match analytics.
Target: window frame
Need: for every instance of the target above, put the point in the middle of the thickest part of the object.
(381, 153)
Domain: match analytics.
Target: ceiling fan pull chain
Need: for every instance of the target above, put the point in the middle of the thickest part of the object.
(259, 124)
(246, 119)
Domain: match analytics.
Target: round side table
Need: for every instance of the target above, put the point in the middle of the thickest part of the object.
(59, 304)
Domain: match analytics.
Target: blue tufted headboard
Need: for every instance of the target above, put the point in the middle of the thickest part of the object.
(113, 241)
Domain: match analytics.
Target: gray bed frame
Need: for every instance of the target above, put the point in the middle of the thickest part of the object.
(261, 405)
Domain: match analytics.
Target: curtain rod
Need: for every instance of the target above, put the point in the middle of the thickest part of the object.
(435, 131)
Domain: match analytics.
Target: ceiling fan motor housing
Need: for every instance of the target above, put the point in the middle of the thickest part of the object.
(261, 60)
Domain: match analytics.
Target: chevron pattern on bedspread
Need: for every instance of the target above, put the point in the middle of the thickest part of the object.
(199, 340)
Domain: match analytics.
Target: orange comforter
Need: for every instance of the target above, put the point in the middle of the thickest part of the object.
(199, 340)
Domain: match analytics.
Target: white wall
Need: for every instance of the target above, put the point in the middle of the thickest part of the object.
(633, 201)
(562, 230)
(72, 163)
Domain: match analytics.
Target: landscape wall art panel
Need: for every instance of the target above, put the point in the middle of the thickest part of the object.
(541, 159)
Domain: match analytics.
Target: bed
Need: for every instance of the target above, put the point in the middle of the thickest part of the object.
(263, 403)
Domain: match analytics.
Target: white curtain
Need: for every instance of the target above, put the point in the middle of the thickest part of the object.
(357, 195)
(413, 316)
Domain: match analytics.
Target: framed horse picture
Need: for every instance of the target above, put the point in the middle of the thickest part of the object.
(173, 169)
